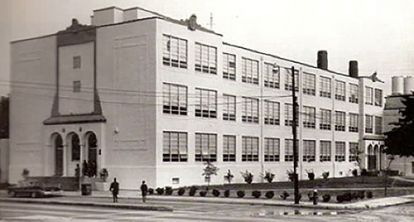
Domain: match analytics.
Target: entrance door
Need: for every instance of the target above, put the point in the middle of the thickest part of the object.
(92, 152)
(372, 158)
(58, 155)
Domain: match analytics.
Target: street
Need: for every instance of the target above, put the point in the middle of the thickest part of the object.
(195, 212)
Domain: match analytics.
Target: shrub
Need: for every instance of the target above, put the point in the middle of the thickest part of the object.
(325, 175)
(226, 193)
(150, 191)
(103, 174)
(192, 191)
(361, 194)
(240, 193)
(369, 195)
(364, 172)
(269, 194)
(284, 195)
(25, 173)
(256, 193)
(216, 193)
(326, 198)
(247, 176)
(347, 196)
(269, 176)
(203, 193)
(160, 190)
(311, 175)
(339, 198)
(168, 190)
(355, 172)
(291, 175)
(181, 191)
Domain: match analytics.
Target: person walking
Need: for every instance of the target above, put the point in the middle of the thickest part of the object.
(144, 190)
(115, 190)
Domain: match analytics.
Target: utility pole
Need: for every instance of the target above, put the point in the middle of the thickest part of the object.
(295, 142)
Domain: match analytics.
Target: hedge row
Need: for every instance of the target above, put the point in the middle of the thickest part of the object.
(192, 191)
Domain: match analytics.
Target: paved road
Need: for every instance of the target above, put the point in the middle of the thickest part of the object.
(199, 212)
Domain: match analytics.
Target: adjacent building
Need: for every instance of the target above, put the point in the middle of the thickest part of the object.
(402, 87)
(150, 97)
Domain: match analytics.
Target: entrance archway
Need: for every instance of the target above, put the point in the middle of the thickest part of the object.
(74, 150)
(57, 142)
(372, 158)
(92, 152)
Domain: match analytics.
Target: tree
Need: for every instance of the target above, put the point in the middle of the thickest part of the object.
(209, 170)
(229, 176)
(399, 141)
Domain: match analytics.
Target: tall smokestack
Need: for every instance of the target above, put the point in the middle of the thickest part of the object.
(353, 68)
(322, 61)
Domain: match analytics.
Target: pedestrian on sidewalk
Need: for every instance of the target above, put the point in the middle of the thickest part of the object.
(144, 190)
(115, 190)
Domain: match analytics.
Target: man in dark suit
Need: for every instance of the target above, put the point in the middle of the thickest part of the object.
(115, 190)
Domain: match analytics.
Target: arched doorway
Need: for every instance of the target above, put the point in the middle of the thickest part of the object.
(372, 158)
(74, 150)
(92, 152)
(57, 142)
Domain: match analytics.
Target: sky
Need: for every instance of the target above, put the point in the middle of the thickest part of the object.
(377, 33)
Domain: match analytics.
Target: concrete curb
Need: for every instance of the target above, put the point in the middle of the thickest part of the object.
(93, 204)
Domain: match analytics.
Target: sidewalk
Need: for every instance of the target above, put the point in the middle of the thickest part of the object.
(131, 200)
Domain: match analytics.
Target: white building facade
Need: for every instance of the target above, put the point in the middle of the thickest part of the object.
(152, 98)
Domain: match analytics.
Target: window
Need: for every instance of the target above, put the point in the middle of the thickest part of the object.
(339, 121)
(250, 148)
(308, 84)
(229, 66)
(250, 71)
(368, 95)
(369, 124)
(271, 151)
(288, 80)
(229, 148)
(271, 113)
(288, 150)
(325, 154)
(271, 75)
(205, 58)
(325, 87)
(353, 93)
(353, 152)
(250, 112)
(76, 86)
(325, 123)
(378, 125)
(289, 115)
(309, 117)
(206, 103)
(206, 147)
(76, 62)
(174, 147)
(353, 122)
(229, 107)
(340, 90)
(175, 99)
(174, 51)
(378, 97)
(339, 151)
(309, 150)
